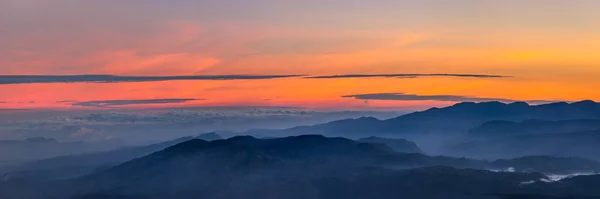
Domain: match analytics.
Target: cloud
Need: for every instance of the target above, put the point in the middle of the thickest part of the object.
(88, 78)
(66, 101)
(405, 76)
(109, 103)
(19, 102)
(30, 79)
(445, 98)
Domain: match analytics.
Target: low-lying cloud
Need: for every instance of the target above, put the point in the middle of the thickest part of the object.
(32, 79)
(444, 98)
(405, 76)
(112, 103)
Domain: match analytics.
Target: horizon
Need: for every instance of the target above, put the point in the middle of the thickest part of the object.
(99, 124)
(184, 107)
(357, 108)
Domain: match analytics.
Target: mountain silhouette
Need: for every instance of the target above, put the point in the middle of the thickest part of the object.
(202, 165)
(452, 120)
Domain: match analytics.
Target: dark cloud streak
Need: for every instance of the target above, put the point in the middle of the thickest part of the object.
(32, 79)
(111, 103)
(444, 98)
(405, 76)
(66, 101)
(88, 78)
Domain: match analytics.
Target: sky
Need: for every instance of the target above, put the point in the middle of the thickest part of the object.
(323, 54)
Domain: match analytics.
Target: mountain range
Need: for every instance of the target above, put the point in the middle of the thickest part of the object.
(470, 150)
(434, 129)
(456, 119)
(309, 166)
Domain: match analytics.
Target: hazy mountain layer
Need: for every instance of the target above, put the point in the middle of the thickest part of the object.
(307, 167)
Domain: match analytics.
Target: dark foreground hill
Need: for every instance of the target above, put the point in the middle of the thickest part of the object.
(304, 167)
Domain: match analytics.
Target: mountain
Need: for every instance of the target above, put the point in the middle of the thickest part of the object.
(308, 166)
(574, 144)
(495, 129)
(398, 145)
(65, 167)
(469, 114)
(463, 116)
(207, 169)
(237, 164)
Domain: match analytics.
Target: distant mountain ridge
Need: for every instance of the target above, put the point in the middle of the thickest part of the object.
(456, 119)
(461, 117)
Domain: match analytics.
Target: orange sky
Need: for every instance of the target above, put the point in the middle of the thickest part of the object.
(549, 48)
